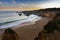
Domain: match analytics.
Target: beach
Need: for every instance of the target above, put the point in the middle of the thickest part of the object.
(30, 31)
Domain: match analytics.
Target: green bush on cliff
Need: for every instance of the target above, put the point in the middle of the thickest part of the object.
(51, 26)
(58, 26)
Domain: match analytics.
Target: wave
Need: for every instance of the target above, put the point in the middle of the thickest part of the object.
(11, 21)
(14, 23)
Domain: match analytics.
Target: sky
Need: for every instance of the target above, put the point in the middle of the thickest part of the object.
(28, 4)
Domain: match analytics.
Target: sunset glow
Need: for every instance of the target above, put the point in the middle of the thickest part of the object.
(28, 4)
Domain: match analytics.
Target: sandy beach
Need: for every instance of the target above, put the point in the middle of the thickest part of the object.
(29, 32)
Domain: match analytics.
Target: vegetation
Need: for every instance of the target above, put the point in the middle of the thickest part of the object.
(51, 26)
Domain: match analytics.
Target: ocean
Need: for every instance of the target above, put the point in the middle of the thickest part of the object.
(7, 16)
(11, 18)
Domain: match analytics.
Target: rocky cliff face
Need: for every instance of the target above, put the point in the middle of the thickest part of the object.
(51, 36)
(42, 11)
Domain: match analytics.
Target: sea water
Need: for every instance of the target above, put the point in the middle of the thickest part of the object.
(7, 16)
(11, 19)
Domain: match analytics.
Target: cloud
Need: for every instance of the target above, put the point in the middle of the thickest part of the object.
(14, 2)
(0, 2)
(15, 5)
(51, 4)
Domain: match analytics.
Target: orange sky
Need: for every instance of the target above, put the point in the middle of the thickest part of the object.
(15, 8)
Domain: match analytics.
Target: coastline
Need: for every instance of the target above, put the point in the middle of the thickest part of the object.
(30, 31)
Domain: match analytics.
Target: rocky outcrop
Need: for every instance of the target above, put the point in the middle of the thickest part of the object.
(51, 36)
(42, 11)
